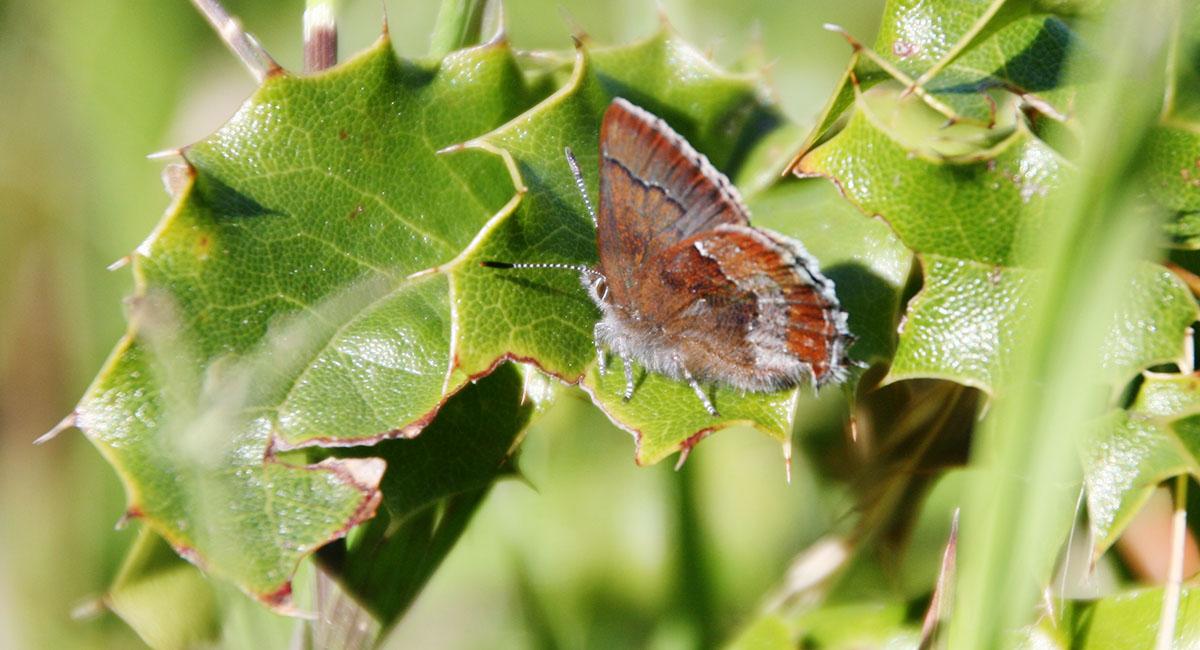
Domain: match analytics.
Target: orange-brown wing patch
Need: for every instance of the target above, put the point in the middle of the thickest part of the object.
(797, 315)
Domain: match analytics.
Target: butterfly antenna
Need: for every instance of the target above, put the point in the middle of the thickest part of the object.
(578, 268)
(587, 201)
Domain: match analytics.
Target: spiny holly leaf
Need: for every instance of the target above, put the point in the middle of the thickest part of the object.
(972, 203)
(982, 54)
(918, 35)
(282, 303)
(965, 321)
(975, 48)
(861, 73)
(970, 192)
(317, 283)
(1131, 452)
(545, 315)
(357, 190)
(433, 485)
(200, 470)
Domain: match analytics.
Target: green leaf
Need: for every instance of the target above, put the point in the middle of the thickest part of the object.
(1092, 246)
(978, 46)
(965, 323)
(861, 74)
(983, 205)
(1171, 153)
(971, 57)
(163, 598)
(1130, 620)
(433, 485)
(278, 307)
(317, 283)
(1132, 451)
(858, 625)
(768, 632)
(981, 55)
(973, 203)
(1172, 175)
(918, 35)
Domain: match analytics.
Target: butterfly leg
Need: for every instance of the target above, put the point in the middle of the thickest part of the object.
(601, 357)
(699, 390)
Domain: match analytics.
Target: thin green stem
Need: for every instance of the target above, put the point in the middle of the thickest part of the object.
(695, 595)
(1170, 607)
(459, 24)
(1019, 511)
(1171, 82)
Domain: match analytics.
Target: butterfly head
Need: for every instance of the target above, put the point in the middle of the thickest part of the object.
(596, 285)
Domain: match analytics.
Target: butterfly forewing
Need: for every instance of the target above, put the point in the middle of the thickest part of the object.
(655, 190)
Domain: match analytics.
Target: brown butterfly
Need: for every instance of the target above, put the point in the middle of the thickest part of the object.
(686, 286)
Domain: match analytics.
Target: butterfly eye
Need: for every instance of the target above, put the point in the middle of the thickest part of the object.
(600, 288)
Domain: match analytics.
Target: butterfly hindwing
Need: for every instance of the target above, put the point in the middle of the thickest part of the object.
(737, 283)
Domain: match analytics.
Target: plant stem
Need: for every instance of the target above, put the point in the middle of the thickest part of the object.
(1172, 81)
(1170, 607)
(941, 590)
(246, 47)
(320, 35)
(695, 597)
(459, 24)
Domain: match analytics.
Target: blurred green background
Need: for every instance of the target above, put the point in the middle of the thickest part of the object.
(581, 554)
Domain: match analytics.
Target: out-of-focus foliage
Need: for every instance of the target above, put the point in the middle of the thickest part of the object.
(315, 283)
(91, 88)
